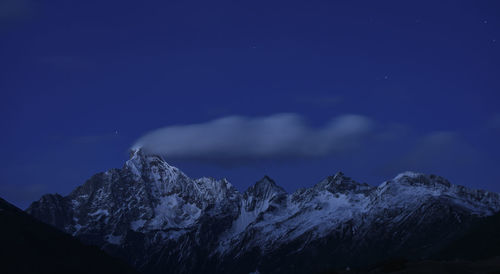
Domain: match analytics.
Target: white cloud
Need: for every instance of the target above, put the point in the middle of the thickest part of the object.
(241, 138)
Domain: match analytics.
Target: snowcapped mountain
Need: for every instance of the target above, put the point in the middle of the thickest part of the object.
(161, 221)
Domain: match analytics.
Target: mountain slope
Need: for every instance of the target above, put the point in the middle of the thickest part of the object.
(158, 219)
(481, 241)
(30, 246)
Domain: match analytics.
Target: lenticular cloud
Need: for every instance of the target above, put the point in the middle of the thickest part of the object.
(241, 138)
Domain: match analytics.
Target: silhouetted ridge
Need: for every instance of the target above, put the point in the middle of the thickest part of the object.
(30, 246)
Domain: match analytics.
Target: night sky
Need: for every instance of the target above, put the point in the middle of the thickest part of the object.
(82, 81)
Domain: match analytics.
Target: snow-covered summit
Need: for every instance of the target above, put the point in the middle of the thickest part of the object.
(143, 164)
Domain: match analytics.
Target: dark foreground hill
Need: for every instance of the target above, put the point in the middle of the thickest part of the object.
(399, 266)
(30, 246)
(477, 250)
(481, 241)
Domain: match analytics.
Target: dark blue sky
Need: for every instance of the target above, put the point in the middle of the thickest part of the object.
(73, 73)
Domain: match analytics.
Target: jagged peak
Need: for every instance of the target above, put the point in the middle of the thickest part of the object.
(417, 186)
(420, 179)
(265, 187)
(51, 197)
(267, 181)
(341, 183)
(139, 159)
(339, 178)
(139, 153)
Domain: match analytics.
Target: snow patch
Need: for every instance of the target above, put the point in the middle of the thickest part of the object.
(173, 211)
(136, 225)
(112, 239)
(410, 174)
(100, 212)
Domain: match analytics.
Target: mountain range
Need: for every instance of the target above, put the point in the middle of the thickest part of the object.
(159, 220)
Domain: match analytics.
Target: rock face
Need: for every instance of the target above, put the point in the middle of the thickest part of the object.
(161, 221)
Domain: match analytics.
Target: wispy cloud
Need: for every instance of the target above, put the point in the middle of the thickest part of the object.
(494, 122)
(237, 138)
(12, 10)
(436, 151)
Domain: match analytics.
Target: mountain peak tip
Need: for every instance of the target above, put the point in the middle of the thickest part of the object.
(266, 178)
(264, 185)
(138, 152)
(135, 151)
(410, 174)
